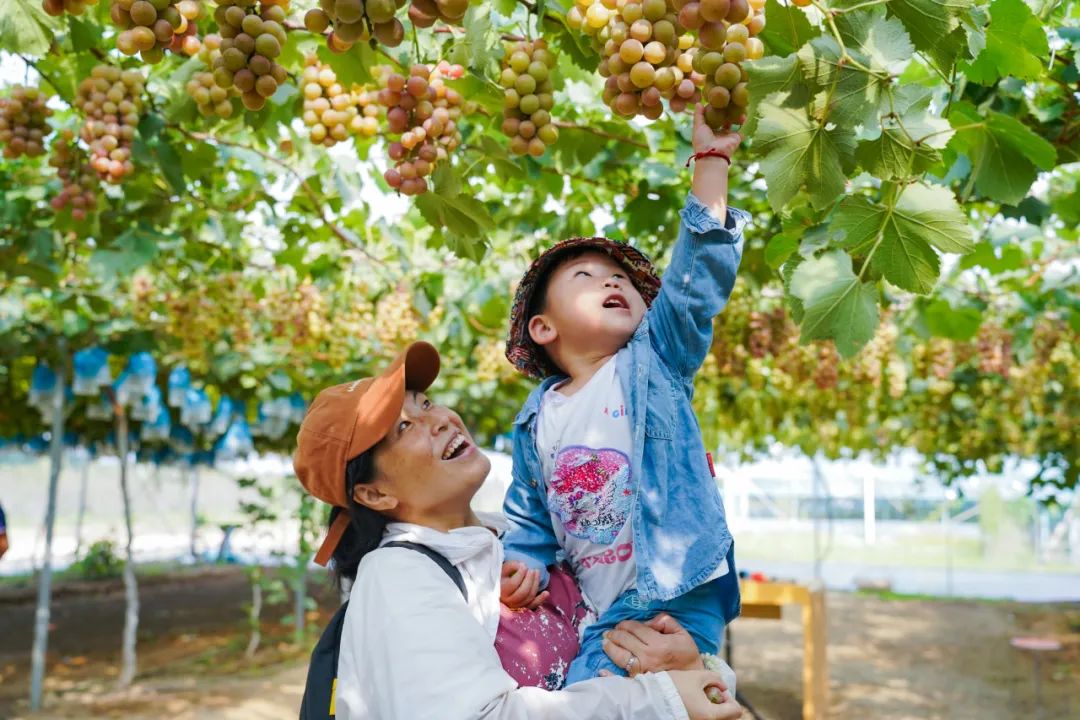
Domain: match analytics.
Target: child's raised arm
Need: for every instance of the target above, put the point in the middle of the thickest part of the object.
(710, 184)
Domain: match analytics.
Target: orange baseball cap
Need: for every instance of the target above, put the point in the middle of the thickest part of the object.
(346, 420)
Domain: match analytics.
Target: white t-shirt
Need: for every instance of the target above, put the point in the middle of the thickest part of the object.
(585, 442)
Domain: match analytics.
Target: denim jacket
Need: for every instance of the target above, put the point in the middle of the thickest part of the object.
(680, 532)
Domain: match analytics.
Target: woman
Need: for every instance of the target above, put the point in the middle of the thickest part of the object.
(412, 647)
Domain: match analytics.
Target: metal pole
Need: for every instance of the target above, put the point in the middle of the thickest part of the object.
(84, 477)
(44, 599)
(817, 518)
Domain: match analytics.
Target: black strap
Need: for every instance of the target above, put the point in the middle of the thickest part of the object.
(439, 559)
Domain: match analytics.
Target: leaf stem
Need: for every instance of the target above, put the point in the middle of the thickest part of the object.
(860, 6)
(844, 54)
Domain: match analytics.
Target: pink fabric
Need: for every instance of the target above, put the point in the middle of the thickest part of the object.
(537, 646)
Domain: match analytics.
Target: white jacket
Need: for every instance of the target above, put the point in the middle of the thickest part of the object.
(412, 649)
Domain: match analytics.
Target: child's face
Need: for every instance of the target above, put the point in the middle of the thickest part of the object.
(592, 305)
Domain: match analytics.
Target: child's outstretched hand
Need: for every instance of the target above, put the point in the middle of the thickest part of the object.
(706, 138)
(520, 585)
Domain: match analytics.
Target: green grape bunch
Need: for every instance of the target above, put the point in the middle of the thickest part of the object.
(332, 113)
(424, 112)
(727, 37)
(251, 39)
(642, 51)
(527, 97)
(353, 21)
(111, 101)
(24, 122)
(150, 27)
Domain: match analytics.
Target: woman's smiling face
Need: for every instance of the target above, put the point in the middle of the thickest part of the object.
(428, 463)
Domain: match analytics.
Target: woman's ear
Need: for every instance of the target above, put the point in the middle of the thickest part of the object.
(370, 496)
(541, 330)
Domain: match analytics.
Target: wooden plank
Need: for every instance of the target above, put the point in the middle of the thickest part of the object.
(770, 593)
(761, 612)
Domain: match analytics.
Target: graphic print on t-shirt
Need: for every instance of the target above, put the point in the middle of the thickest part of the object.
(590, 492)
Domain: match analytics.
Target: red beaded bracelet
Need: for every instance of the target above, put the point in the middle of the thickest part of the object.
(711, 152)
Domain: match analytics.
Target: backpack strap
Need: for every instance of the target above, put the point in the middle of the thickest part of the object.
(440, 560)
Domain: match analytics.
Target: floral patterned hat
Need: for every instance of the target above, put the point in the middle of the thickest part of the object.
(521, 351)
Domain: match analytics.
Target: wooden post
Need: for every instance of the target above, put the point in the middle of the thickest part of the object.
(815, 664)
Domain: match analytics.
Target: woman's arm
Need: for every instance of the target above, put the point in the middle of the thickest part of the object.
(411, 648)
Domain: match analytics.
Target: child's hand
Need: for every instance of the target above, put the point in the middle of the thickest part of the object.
(520, 585)
(706, 138)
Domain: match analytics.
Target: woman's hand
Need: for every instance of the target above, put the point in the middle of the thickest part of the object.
(659, 644)
(693, 686)
(519, 586)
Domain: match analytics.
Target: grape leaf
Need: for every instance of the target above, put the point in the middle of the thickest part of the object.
(129, 252)
(1015, 44)
(772, 74)
(781, 246)
(352, 66)
(945, 321)
(901, 239)
(786, 29)
(908, 139)
(798, 152)
(25, 28)
(1005, 155)
(931, 25)
(845, 95)
(836, 303)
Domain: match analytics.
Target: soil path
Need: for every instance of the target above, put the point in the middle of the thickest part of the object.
(895, 659)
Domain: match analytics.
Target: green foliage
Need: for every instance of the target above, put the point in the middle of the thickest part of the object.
(100, 562)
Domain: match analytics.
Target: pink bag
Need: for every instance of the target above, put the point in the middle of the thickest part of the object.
(537, 646)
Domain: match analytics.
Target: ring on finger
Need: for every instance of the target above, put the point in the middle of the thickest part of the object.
(630, 665)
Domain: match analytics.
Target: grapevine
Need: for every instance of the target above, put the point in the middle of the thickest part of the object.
(528, 99)
(424, 112)
(111, 101)
(24, 122)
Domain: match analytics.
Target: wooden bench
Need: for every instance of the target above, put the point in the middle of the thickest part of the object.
(765, 600)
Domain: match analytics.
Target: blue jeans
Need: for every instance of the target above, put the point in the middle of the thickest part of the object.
(704, 612)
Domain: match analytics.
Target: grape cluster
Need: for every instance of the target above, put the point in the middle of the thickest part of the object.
(333, 113)
(76, 176)
(24, 122)
(210, 98)
(424, 112)
(111, 101)
(424, 13)
(642, 54)
(149, 27)
(56, 8)
(353, 21)
(528, 97)
(994, 345)
(727, 36)
(250, 40)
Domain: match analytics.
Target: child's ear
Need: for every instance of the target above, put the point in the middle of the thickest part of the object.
(370, 496)
(541, 330)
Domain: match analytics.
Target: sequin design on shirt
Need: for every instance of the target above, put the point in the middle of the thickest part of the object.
(590, 492)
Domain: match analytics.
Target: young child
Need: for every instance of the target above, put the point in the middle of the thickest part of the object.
(609, 468)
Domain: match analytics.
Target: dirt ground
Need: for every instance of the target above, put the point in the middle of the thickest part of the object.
(888, 658)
